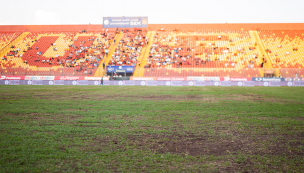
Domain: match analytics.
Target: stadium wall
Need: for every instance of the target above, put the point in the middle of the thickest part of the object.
(232, 26)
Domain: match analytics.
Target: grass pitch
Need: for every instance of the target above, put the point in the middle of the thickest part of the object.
(151, 129)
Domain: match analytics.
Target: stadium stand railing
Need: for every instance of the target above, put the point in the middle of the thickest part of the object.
(48, 71)
(149, 72)
(219, 72)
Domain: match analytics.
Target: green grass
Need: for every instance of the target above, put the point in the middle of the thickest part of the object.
(151, 129)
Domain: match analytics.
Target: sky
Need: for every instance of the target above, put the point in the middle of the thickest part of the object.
(53, 12)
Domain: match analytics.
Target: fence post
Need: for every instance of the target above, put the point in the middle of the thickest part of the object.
(50, 71)
(13, 71)
(37, 72)
(298, 73)
(25, 71)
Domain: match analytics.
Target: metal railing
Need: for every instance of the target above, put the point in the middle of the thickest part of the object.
(220, 72)
(155, 72)
(50, 71)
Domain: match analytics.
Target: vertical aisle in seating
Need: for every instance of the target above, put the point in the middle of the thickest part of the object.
(139, 71)
(7, 48)
(262, 51)
(141, 56)
(100, 71)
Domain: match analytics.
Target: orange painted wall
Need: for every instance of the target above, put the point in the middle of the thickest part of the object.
(236, 26)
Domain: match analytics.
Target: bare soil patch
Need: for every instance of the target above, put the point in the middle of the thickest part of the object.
(179, 98)
(195, 145)
(68, 95)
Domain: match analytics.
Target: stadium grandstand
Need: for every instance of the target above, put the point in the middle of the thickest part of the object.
(152, 86)
(224, 50)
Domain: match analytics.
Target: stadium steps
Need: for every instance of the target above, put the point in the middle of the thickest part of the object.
(262, 51)
(100, 71)
(140, 71)
(7, 48)
(142, 54)
(61, 45)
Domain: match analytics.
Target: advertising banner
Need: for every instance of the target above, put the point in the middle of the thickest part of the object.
(129, 82)
(154, 83)
(142, 78)
(289, 79)
(198, 78)
(96, 82)
(107, 82)
(92, 78)
(298, 79)
(58, 82)
(176, 83)
(235, 78)
(106, 78)
(120, 69)
(39, 77)
(225, 83)
(12, 77)
(69, 77)
(37, 82)
(138, 82)
(298, 83)
(171, 78)
(82, 82)
(199, 83)
(275, 83)
(151, 83)
(125, 22)
(249, 83)
(266, 79)
(14, 82)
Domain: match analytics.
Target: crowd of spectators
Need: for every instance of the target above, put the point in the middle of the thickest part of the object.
(168, 49)
(129, 49)
(83, 51)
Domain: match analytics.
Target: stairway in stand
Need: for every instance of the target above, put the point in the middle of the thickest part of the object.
(100, 71)
(139, 71)
(262, 51)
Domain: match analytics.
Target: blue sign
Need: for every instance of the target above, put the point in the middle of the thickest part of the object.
(125, 22)
(120, 69)
(266, 79)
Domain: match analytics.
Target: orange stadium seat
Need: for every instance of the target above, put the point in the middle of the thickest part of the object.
(49, 53)
(230, 53)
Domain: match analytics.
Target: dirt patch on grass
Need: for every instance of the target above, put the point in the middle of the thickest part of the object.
(179, 98)
(102, 97)
(204, 98)
(210, 145)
